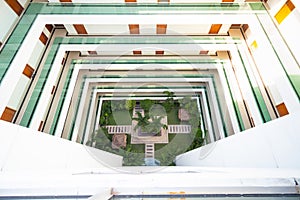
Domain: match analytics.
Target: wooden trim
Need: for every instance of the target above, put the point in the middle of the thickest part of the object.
(41, 126)
(161, 28)
(63, 61)
(137, 52)
(92, 52)
(49, 27)
(290, 5)
(227, 0)
(252, 122)
(43, 38)
(28, 71)
(134, 28)
(245, 27)
(215, 28)
(8, 114)
(65, 0)
(53, 89)
(130, 1)
(163, 1)
(80, 29)
(235, 26)
(15, 6)
(203, 52)
(159, 52)
(282, 110)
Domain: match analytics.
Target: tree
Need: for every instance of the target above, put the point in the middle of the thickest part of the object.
(143, 121)
(185, 100)
(150, 126)
(129, 104)
(156, 125)
(106, 108)
(169, 94)
(169, 103)
(146, 104)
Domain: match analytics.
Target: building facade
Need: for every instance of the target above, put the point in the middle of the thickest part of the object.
(62, 61)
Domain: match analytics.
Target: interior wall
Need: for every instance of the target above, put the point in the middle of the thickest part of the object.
(10, 11)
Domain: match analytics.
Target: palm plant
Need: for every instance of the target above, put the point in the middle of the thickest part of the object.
(156, 125)
(151, 126)
(142, 121)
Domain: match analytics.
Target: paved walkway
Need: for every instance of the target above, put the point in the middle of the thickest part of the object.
(119, 129)
(127, 129)
(179, 129)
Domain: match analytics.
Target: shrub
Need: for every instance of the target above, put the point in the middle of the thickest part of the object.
(146, 104)
(129, 104)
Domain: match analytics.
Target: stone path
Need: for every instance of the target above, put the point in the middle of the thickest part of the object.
(179, 129)
(119, 129)
(127, 129)
(149, 141)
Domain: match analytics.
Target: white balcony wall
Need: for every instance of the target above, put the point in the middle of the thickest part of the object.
(7, 20)
(270, 145)
(28, 150)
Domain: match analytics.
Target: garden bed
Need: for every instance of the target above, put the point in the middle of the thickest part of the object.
(119, 112)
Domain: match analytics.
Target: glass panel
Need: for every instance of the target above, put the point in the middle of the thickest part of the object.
(61, 100)
(96, 40)
(34, 9)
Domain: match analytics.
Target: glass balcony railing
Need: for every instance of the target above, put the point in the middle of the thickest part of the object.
(129, 87)
(35, 9)
(14, 42)
(30, 109)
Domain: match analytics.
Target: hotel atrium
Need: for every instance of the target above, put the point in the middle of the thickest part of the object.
(149, 99)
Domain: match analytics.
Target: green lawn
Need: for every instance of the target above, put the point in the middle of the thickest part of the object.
(120, 117)
(178, 144)
(173, 116)
(157, 110)
(136, 148)
(133, 154)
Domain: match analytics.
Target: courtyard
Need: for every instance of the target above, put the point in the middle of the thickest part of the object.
(149, 131)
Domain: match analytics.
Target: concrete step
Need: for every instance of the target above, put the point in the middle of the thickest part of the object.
(149, 150)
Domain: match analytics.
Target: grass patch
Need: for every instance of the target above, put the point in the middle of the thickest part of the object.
(178, 144)
(136, 148)
(157, 110)
(133, 154)
(173, 116)
(120, 117)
